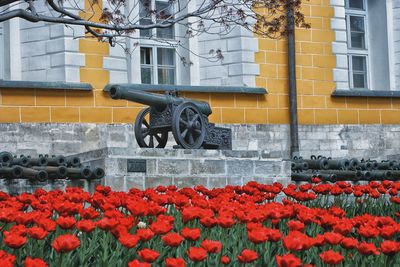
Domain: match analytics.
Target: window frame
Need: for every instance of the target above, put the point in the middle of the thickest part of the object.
(152, 43)
(357, 51)
(155, 65)
(2, 52)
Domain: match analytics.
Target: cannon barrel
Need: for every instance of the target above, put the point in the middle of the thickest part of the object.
(387, 165)
(344, 175)
(317, 164)
(13, 172)
(79, 173)
(73, 162)
(151, 99)
(53, 172)
(32, 174)
(98, 173)
(299, 166)
(40, 161)
(341, 164)
(381, 175)
(6, 158)
(56, 161)
(302, 177)
(23, 161)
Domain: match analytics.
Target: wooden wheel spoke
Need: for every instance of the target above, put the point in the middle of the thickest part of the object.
(158, 138)
(190, 138)
(146, 123)
(184, 133)
(151, 143)
(183, 121)
(195, 117)
(145, 133)
(187, 114)
(197, 131)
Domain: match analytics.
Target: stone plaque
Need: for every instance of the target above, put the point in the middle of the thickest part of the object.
(136, 165)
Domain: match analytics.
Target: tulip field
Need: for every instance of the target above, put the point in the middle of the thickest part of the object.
(312, 224)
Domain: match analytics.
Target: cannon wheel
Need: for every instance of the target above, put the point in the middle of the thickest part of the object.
(188, 126)
(143, 135)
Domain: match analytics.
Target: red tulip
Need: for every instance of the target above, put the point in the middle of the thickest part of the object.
(211, 246)
(148, 255)
(136, 263)
(34, 262)
(295, 225)
(128, 240)
(197, 254)
(175, 262)
(191, 234)
(367, 249)
(7, 260)
(145, 234)
(225, 260)
(66, 222)
(14, 240)
(65, 243)
(86, 226)
(37, 233)
(331, 257)
(288, 260)
(349, 243)
(247, 256)
(389, 247)
(172, 239)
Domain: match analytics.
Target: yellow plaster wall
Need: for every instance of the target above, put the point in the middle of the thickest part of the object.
(315, 63)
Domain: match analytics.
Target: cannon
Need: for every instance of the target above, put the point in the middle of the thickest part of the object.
(187, 119)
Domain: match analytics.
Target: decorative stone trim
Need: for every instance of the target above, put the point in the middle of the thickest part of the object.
(44, 85)
(339, 47)
(366, 93)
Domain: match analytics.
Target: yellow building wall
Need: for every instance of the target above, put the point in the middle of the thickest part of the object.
(314, 71)
(315, 63)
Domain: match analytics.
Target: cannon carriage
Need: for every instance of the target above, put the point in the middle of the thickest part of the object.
(187, 119)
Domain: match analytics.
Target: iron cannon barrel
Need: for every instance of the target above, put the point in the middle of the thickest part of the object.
(344, 175)
(156, 100)
(13, 172)
(53, 171)
(98, 173)
(73, 162)
(56, 161)
(381, 175)
(6, 157)
(341, 164)
(302, 177)
(33, 174)
(40, 161)
(23, 161)
(79, 173)
(318, 164)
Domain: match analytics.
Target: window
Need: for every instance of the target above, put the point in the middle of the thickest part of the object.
(2, 55)
(157, 65)
(163, 12)
(358, 53)
(157, 61)
(368, 44)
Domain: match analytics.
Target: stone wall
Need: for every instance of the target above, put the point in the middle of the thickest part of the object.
(187, 168)
(361, 141)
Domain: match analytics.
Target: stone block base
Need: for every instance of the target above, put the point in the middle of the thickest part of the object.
(186, 168)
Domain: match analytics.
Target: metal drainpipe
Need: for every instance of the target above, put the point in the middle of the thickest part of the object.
(294, 131)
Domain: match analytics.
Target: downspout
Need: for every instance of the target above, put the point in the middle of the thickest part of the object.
(294, 131)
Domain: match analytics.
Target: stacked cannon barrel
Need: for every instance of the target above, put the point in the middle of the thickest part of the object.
(44, 167)
(331, 170)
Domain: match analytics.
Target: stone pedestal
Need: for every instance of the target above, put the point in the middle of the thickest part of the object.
(144, 168)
